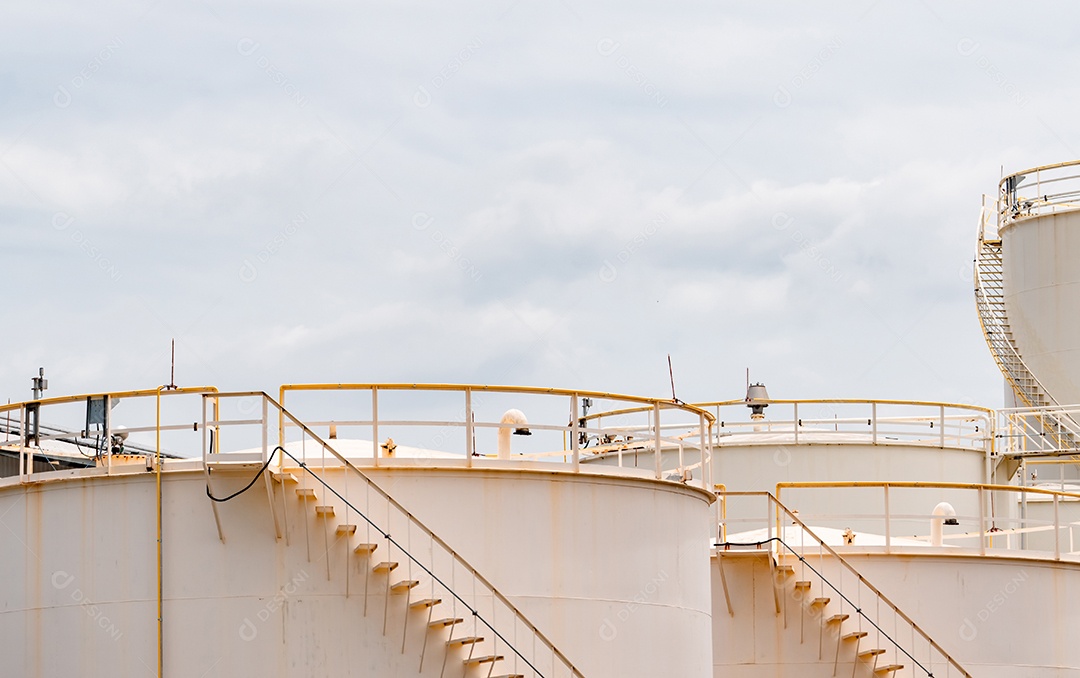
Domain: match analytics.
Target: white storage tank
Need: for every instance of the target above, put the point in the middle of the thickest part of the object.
(610, 567)
(1040, 245)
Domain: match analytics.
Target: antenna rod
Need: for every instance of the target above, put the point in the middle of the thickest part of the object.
(172, 368)
(671, 374)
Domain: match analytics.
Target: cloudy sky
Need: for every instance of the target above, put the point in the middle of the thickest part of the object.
(545, 193)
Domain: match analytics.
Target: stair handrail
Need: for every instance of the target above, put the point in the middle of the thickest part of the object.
(430, 534)
(781, 510)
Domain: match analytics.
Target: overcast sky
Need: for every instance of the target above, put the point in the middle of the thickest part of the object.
(554, 194)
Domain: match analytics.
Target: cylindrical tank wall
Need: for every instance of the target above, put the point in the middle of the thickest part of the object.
(1041, 261)
(613, 570)
(998, 617)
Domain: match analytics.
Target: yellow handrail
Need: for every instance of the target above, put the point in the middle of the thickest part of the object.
(533, 390)
(147, 392)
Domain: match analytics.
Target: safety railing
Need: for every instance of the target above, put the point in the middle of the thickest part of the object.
(1038, 431)
(470, 422)
(401, 537)
(103, 428)
(831, 576)
(999, 519)
(840, 421)
(1039, 190)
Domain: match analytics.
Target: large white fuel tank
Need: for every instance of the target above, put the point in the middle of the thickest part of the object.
(612, 567)
(1041, 262)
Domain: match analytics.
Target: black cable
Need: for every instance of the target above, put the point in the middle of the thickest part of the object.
(249, 485)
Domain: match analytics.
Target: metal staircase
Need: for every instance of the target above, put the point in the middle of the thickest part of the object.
(435, 607)
(831, 620)
(990, 302)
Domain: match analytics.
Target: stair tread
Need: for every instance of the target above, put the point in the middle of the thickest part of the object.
(820, 601)
(871, 653)
(449, 621)
(486, 659)
(404, 585)
(324, 510)
(854, 635)
(385, 566)
(837, 618)
(802, 584)
(305, 492)
(464, 640)
(888, 669)
(365, 548)
(346, 529)
(425, 603)
(284, 477)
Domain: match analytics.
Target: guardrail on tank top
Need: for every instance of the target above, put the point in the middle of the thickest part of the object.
(862, 612)
(961, 519)
(1037, 191)
(849, 421)
(474, 424)
(114, 432)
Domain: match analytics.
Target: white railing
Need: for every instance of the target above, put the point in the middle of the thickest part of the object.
(1003, 518)
(1039, 190)
(792, 542)
(467, 422)
(840, 421)
(1038, 431)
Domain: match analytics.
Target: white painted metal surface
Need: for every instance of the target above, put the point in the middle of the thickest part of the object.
(1040, 234)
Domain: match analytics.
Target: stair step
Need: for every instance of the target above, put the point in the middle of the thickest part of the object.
(324, 511)
(867, 654)
(819, 601)
(385, 566)
(365, 548)
(425, 603)
(510, 675)
(283, 477)
(346, 529)
(854, 635)
(837, 618)
(305, 492)
(404, 585)
(464, 640)
(802, 584)
(486, 659)
(442, 623)
(888, 669)
(785, 570)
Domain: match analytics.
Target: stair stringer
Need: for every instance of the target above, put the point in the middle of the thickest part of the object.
(383, 633)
